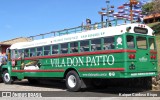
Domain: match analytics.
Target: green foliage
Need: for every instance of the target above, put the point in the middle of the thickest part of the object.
(147, 8)
(155, 26)
(151, 8)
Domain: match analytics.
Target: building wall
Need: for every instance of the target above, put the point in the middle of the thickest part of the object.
(5, 44)
(3, 49)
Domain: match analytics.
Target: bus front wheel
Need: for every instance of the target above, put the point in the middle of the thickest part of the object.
(73, 82)
(7, 78)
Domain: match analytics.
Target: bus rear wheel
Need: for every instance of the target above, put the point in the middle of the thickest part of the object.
(7, 78)
(73, 82)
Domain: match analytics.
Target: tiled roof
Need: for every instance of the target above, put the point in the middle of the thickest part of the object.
(15, 40)
(151, 16)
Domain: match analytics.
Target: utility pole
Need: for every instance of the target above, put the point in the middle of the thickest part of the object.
(132, 2)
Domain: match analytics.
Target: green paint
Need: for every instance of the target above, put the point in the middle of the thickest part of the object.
(143, 65)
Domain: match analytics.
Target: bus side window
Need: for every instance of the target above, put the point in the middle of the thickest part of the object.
(32, 52)
(74, 47)
(26, 53)
(84, 46)
(54, 49)
(39, 51)
(19, 53)
(47, 50)
(109, 43)
(64, 48)
(130, 41)
(96, 44)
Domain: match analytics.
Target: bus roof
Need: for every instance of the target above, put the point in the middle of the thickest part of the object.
(83, 35)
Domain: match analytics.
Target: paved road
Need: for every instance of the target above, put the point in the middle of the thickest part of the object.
(54, 88)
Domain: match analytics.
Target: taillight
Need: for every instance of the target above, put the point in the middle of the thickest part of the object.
(153, 57)
(132, 56)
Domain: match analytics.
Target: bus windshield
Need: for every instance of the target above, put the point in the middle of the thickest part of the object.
(141, 42)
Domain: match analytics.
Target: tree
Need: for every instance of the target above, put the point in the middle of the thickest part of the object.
(156, 6)
(147, 8)
(152, 7)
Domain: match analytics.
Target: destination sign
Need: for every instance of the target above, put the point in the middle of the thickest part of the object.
(140, 30)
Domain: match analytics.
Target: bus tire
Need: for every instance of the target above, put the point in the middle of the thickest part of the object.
(7, 79)
(73, 81)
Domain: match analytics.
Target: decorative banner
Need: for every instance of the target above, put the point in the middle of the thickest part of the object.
(137, 7)
(125, 10)
(121, 11)
(120, 16)
(115, 14)
(137, 11)
(125, 16)
(126, 4)
(120, 7)
(136, 14)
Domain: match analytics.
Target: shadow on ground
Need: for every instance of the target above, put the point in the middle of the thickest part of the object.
(111, 91)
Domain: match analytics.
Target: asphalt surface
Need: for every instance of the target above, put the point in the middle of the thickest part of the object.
(54, 88)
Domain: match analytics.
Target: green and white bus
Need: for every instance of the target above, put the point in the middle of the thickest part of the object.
(98, 52)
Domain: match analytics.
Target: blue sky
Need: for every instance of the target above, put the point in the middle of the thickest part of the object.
(24, 18)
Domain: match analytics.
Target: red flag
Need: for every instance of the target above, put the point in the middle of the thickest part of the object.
(120, 7)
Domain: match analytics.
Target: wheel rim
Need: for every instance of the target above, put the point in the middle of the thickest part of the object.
(72, 81)
(6, 77)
